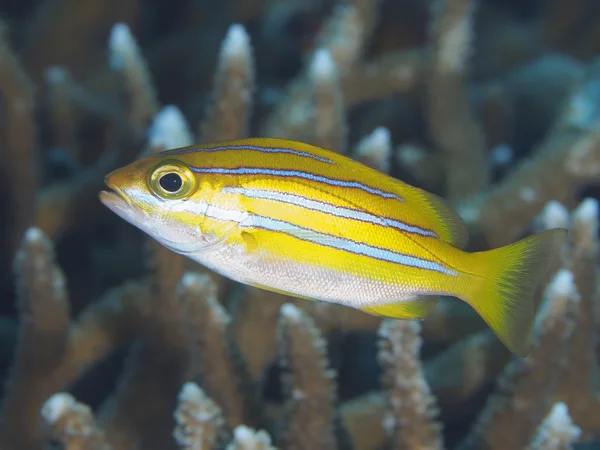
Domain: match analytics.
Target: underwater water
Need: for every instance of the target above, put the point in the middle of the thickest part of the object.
(109, 339)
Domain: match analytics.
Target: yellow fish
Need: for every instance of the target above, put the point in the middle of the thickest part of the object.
(301, 220)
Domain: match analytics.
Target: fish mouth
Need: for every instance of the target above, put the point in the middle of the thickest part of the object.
(115, 199)
(118, 202)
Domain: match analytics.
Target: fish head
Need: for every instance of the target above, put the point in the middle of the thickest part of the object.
(162, 196)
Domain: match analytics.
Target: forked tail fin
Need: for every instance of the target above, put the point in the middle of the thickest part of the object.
(504, 283)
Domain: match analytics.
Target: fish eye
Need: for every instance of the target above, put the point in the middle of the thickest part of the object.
(172, 180)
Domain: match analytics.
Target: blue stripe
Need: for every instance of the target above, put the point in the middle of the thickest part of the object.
(329, 208)
(344, 244)
(326, 240)
(257, 149)
(297, 174)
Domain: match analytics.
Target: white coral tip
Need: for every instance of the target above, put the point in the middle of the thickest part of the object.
(323, 66)
(563, 284)
(291, 312)
(56, 406)
(170, 129)
(236, 42)
(587, 211)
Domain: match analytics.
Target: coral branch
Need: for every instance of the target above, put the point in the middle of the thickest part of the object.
(169, 130)
(139, 413)
(452, 125)
(375, 149)
(62, 117)
(73, 424)
(19, 160)
(126, 57)
(309, 383)
(390, 74)
(229, 115)
(245, 438)
(199, 420)
(44, 316)
(328, 128)
(344, 37)
(557, 431)
(463, 370)
(579, 386)
(413, 410)
(214, 359)
(103, 327)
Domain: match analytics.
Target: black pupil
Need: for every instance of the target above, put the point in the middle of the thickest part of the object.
(170, 182)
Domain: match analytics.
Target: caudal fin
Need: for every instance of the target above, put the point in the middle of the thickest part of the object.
(504, 283)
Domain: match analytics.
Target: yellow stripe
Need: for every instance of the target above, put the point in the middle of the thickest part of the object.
(402, 202)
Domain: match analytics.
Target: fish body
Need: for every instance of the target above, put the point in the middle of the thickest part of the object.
(305, 221)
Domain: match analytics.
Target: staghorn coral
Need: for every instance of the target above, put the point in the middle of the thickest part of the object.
(309, 383)
(44, 311)
(199, 419)
(455, 132)
(203, 354)
(557, 430)
(214, 358)
(73, 423)
(413, 408)
(20, 166)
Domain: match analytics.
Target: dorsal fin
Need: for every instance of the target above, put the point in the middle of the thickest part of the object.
(445, 222)
(439, 217)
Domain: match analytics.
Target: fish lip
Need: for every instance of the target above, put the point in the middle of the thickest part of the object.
(118, 202)
(114, 201)
(115, 197)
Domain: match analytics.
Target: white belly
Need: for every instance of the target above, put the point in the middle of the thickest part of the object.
(299, 279)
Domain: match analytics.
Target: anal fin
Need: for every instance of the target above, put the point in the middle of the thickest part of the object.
(418, 308)
(279, 291)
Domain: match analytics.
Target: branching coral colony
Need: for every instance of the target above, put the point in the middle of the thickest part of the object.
(194, 377)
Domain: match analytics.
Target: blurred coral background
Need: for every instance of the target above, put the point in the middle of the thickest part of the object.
(110, 341)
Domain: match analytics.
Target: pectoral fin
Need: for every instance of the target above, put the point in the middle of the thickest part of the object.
(418, 308)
